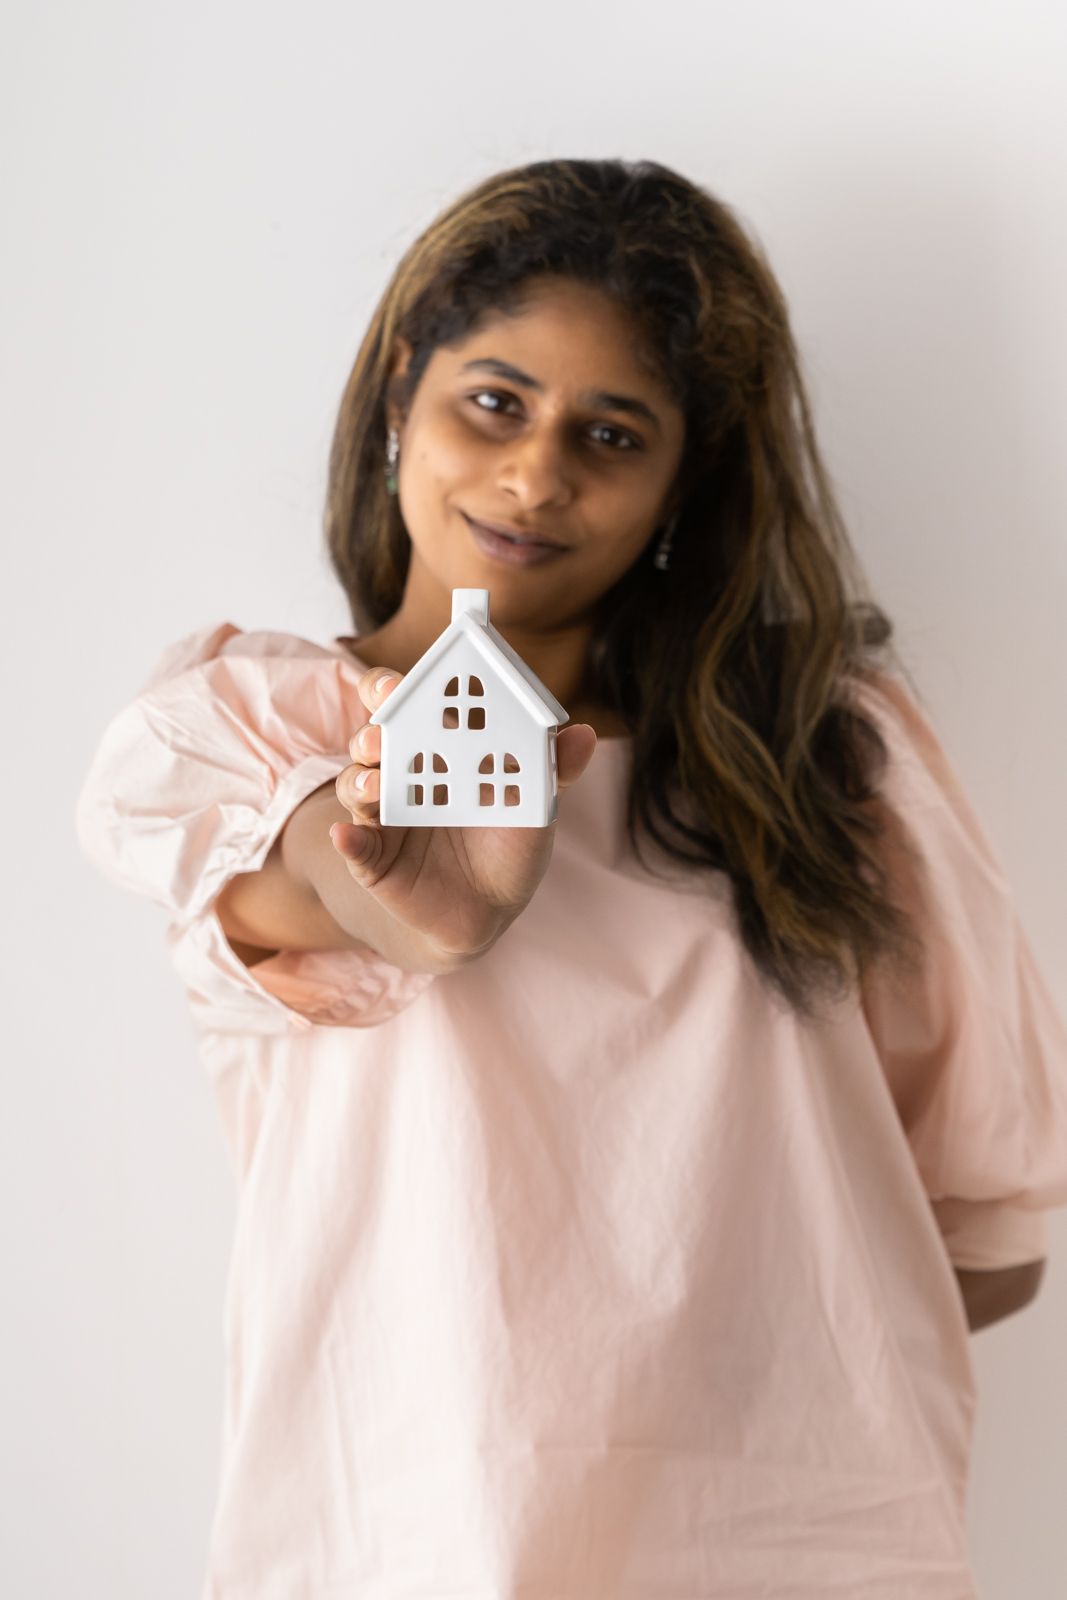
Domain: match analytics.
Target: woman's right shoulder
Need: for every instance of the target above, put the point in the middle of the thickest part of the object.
(223, 688)
(231, 733)
(225, 640)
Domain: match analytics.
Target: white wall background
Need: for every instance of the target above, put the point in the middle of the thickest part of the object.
(201, 204)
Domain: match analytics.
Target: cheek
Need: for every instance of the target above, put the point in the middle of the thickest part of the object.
(625, 514)
(441, 450)
(439, 459)
(439, 464)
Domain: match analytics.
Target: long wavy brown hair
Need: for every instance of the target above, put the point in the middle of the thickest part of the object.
(735, 668)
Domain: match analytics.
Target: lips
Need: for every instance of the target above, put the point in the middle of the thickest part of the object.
(515, 546)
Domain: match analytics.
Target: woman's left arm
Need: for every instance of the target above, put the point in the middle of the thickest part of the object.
(990, 1296)
(973, 1049)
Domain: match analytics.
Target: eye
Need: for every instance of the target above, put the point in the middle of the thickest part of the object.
(614, 438)
(496, 401)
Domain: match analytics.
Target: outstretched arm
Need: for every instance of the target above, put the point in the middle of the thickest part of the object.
(427, 899)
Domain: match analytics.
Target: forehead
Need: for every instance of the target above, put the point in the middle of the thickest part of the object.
(567, 335)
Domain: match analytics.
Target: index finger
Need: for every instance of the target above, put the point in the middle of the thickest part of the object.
(377, 685)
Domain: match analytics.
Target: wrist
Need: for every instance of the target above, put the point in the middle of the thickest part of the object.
(418, 951)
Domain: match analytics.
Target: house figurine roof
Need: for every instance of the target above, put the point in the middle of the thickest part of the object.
(470, 616)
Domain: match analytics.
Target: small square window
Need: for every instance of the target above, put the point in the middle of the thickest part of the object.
(450, 718)
(475, 717)
(440, 794)
(511, 794)
(486, 794)
(414, 794)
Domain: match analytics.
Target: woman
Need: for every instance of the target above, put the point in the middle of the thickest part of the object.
(602, 1185)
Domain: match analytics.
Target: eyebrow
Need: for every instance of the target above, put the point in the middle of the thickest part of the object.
(503, 369)
(601, 400)
(597, 399)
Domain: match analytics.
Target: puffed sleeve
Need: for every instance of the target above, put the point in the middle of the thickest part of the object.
(973, 1049)
(192, 784)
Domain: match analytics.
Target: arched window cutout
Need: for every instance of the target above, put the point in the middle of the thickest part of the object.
(415, 765)
(511, 765)
(485, 764)
(440, 794)
(486, 794)
(474, 686)
(452, 686)
(450, 718)
(476, 717)
(439, 763)
(511, 794)
(414, 794)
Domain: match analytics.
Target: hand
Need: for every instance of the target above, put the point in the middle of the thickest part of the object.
(456, 889)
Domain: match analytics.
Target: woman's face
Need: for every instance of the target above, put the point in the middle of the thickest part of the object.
(537, 457)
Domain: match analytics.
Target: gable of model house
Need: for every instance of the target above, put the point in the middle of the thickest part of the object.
(468, 640)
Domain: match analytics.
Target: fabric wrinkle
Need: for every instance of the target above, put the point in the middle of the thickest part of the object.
(589, 1269)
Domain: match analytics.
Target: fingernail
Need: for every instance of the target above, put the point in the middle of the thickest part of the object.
(362, 780)
(382, 682)
(360, 736)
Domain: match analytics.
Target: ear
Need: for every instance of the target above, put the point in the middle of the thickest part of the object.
(396, 395)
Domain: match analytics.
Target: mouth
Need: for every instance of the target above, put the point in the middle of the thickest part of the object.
(517, 546)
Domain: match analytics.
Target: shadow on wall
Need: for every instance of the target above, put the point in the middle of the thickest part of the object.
(911, 300)
(935, 337)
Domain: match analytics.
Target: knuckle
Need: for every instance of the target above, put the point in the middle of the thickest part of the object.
(376, 683)
(364, 745)
(347, 792)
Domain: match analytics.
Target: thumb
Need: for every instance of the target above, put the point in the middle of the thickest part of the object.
(574, 747)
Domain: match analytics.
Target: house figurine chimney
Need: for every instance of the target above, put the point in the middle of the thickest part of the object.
(469, 734)
(473, 602)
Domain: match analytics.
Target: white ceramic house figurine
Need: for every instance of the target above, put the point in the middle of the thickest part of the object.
(469, 734)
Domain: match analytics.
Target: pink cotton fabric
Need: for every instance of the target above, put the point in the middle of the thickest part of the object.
(590, 1272)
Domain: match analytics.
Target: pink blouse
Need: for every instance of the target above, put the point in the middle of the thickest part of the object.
(592, 1271)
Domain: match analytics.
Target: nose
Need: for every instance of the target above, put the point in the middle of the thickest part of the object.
(534, 472)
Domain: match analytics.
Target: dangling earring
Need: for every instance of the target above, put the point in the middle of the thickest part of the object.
(392, 456)
(663, 549)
